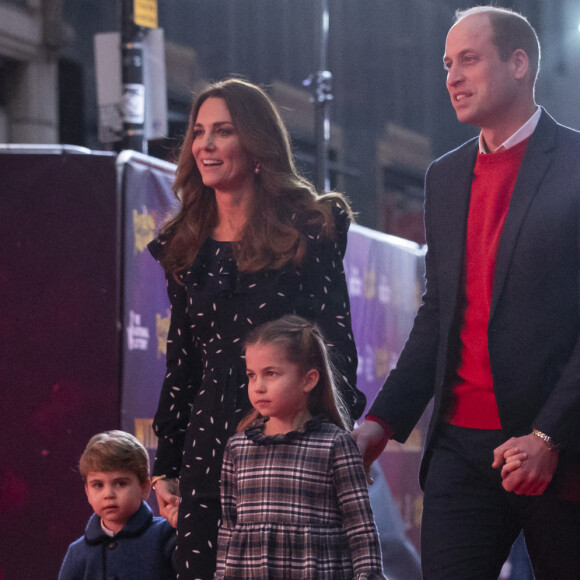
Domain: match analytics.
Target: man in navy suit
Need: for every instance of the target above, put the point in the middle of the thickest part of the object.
(496, 339)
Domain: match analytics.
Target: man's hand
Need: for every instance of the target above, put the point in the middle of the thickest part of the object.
(537, 467)
(371, 439)
(168, 498)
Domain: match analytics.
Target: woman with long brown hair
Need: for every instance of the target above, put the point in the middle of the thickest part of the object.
(252, 241)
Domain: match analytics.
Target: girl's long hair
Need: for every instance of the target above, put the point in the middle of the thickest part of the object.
(304, 345)
(284, 203)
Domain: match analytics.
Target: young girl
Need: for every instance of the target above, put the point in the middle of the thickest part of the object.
(294, 496)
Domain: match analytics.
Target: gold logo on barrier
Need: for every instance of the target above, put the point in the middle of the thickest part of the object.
(382, 362)
(370, 283)
(143, 228)
(161, 332)
(144, 432)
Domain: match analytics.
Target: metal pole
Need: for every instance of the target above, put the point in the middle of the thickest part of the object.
(321, 83)
(133, 84)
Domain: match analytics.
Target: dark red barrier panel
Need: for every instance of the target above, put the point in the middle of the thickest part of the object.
(59, 357)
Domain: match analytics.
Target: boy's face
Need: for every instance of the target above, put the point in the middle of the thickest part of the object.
(115, 496)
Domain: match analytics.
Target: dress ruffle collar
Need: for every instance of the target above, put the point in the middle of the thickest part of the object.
(255, 432)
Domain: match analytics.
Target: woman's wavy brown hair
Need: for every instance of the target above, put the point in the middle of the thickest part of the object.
(284, 203)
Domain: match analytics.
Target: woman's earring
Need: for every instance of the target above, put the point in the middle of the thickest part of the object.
(257, 168)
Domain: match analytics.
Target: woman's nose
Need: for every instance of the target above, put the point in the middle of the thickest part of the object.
(208, 141)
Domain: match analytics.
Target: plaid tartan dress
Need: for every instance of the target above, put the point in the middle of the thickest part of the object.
(296, 506)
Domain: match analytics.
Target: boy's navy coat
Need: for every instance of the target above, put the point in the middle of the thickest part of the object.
(142, 550)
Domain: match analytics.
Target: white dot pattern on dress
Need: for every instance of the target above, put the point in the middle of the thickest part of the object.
(204, 393)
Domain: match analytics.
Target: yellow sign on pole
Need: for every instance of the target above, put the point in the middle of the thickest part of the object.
(145, 13)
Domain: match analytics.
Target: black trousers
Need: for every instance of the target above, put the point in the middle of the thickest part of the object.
(470, 521)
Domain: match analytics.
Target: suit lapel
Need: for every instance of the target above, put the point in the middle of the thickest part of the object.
(455, 221)
(534, 166)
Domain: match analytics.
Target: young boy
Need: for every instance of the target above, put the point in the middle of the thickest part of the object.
(122, 539)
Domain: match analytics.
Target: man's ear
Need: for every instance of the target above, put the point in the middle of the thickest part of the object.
(521, 63)
(310, 380)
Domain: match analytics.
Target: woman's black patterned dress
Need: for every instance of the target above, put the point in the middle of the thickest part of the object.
(204, 394)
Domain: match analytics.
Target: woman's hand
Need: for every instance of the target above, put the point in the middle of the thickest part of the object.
(168, 498)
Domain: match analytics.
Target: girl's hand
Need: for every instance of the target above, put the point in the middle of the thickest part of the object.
(168, 498)
(514, 454)
(513, 460)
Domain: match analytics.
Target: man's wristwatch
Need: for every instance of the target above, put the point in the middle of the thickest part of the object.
(547, 439)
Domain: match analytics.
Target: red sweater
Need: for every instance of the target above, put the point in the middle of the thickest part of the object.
(494, 177)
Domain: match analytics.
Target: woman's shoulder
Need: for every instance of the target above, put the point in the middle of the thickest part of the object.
(333, 217)
(157, 246)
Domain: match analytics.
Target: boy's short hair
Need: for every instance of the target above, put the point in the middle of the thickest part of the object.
(115, 451)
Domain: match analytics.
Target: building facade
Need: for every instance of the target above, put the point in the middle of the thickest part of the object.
(390, 113)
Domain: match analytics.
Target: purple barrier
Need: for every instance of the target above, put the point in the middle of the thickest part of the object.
(385, 280)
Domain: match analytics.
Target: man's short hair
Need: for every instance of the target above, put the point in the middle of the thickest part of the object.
(115, 451)
(511, 31)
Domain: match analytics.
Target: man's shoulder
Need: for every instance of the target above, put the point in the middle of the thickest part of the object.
(465, 150)
(553, 138)
(568, 136)
(449, 164)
